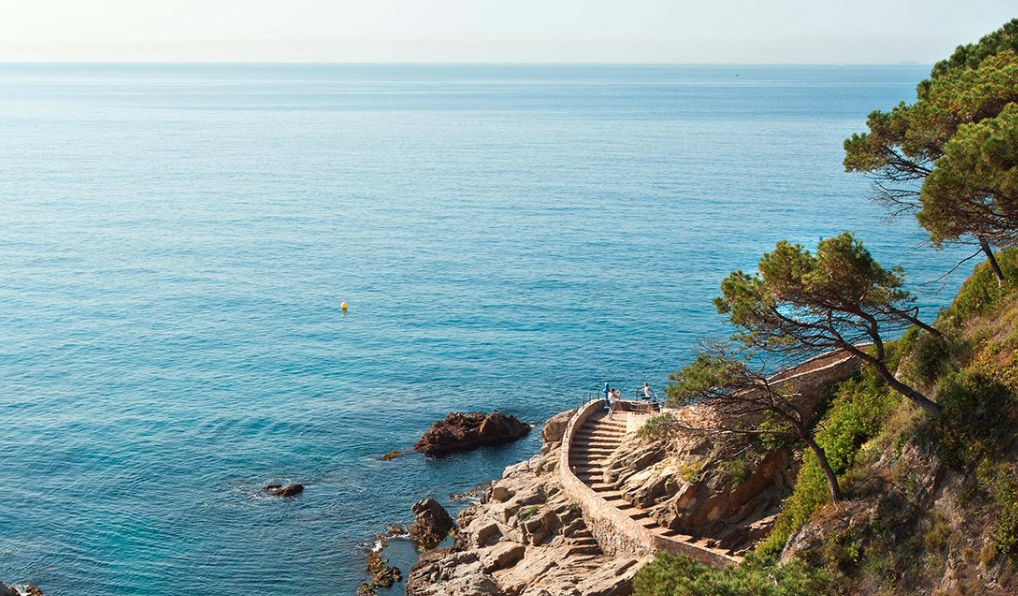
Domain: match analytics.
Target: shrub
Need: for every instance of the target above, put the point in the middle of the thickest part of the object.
(981, 292)
(928, 357)
(657, 427)
(675, 575)
(856, 414)
(977, 422)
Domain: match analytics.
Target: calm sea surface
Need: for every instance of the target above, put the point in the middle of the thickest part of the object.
(175, 242)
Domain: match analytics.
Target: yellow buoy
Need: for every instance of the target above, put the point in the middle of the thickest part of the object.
(342, 306)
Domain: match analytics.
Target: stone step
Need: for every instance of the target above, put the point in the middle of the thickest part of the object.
(605, 437)
(588, 456)
(592, 549)
(597, 442)
(670, 533)
(601, 429)
(607, 428)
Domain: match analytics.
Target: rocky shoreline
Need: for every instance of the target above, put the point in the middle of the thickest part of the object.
(29, 590)
(524, 539)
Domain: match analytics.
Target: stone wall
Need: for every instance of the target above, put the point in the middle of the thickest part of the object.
(616, 533)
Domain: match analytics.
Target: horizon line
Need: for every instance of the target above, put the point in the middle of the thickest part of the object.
(435, 63)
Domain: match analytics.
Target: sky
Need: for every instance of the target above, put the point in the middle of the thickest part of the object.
(495, 31)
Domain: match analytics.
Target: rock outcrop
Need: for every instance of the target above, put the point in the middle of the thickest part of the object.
(524, 539)
(718, 488)
(29, 590)
(462, 432)
(431, 524)
(290, 490)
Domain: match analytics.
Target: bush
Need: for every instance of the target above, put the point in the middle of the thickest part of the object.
(928, 357)
(657, 427)
(981, 292)
(675, 575)
(977, 421)
(858, 411)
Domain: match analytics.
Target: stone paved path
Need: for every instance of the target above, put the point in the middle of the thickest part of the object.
(591, 446)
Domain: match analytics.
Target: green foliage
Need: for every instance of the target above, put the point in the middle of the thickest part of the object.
(928, 357)
(675, 575)
(974, 188)
(688, 471)
(938, 535)
(972, 55)
(527, 513)
(700, 376)
(657, 427)
(856, 415)
(738, 469)
(981, 293)
(978, 420)
(799, 298)
(1005, 528)
(950, 157)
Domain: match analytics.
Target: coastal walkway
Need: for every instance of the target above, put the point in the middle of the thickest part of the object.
(590, 439)
(622, 528)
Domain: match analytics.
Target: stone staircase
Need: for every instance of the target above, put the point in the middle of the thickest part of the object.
(591, 446)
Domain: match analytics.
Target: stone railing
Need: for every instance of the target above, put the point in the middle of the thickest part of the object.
(618, 533)
(615, 531)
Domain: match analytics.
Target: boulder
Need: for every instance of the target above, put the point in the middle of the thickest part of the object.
(395, 530)
(500, 494)
(290, 490)
(382, 575)
(502, 556)
(431, 523)
(5, 591)
(462, 432)
(554, 430)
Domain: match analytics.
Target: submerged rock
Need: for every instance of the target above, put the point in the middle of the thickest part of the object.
(395, 530)
(290, 490)
(462, 432)
(431, 524)
(29, 590)
(382, 574)
(474, 495)
(392, 455)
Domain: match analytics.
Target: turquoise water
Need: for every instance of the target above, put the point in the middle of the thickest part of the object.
(175, 242)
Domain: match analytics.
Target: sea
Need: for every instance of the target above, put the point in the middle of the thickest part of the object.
(176, 242)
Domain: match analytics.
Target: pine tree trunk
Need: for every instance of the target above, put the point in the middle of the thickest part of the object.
(983, 244)
(924, 402)
(832, 480)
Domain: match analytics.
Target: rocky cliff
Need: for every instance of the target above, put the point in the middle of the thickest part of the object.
(524, 538)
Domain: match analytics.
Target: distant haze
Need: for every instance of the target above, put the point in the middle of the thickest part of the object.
(585, 31)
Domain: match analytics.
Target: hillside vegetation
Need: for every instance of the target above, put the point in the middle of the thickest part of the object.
(931, 505)
(907, 478)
